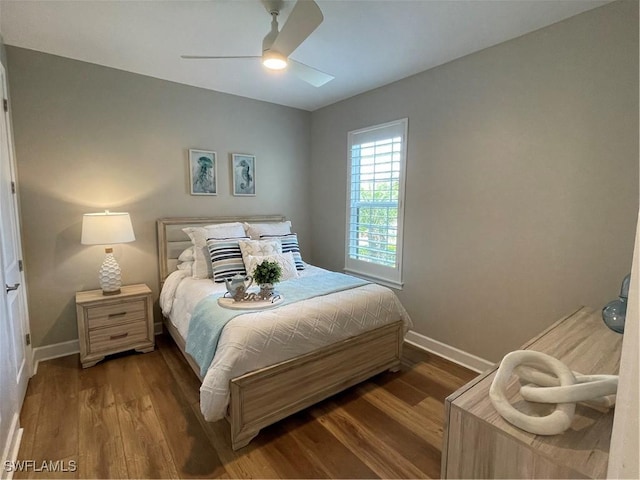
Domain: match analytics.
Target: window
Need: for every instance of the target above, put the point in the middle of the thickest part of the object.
(377, 159)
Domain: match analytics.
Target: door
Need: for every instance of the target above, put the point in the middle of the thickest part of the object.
(15, 354)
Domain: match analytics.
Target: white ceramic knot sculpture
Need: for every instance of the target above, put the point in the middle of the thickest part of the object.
(564, 389)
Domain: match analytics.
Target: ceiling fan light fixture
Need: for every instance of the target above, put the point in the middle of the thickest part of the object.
(274, 60)
(278, 45)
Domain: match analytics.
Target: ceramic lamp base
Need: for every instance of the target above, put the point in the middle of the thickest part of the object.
(109, 274)
(113, 292)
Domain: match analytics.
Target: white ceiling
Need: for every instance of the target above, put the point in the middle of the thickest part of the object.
(364, 43)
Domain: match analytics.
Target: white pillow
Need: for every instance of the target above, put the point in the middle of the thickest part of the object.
(199, 235)
(285, 260)
(254, 230)
(259, 247)
(186, 255)
(225, 230)
(186, 266)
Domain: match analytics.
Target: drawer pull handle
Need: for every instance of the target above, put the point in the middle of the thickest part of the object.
(122, 335)
(11, 288)
(111, 315)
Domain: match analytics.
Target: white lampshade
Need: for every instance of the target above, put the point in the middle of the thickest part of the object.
(106, 228)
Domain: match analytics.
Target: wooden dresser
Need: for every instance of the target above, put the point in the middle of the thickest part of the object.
(479, 443)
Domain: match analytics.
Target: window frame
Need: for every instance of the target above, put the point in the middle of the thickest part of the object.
(389, 276)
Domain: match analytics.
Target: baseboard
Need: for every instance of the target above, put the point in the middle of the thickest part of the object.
(443, 350)
(10, 454)
(48, 352)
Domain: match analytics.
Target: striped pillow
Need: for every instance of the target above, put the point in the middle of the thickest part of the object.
(226, 259)
(289, 244)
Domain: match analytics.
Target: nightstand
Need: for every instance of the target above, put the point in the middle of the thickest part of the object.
(110, 324)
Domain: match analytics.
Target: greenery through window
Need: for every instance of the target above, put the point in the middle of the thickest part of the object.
(375, 198)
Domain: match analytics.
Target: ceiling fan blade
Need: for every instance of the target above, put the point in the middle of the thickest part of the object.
(309, 74)
(303, 20)
(207, 57)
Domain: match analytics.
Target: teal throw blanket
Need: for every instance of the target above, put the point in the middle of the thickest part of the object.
(209, 318)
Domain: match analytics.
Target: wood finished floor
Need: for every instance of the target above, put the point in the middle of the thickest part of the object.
(138, 416)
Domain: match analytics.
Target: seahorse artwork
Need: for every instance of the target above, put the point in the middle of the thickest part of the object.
(245, 175)
(563, 387)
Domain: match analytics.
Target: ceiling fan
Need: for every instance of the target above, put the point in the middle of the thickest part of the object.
(278, 45)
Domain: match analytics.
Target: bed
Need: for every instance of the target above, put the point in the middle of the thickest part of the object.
(273, 363)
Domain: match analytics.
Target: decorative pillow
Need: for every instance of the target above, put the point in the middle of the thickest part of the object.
(200, 261)
(186, 255)
(289, 244)
(285, 260)
(186, 266)
(199, 237)
(225, 230)
(257, 230)
(226, 259)
(259, 247)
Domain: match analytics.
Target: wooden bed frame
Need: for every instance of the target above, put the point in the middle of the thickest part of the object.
(264, 396)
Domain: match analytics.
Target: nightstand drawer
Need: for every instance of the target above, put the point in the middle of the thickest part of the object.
(112, 338)
(117, 313)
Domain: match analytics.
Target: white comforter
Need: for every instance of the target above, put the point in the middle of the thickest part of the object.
(258, 339)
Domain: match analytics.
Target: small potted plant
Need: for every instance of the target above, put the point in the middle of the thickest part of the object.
(266, 274)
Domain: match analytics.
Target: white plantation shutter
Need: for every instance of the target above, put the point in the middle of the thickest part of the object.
(375, 201)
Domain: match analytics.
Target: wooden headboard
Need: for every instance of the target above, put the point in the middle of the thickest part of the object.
(172, 240)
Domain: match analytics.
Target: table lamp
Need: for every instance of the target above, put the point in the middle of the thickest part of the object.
(107, 228)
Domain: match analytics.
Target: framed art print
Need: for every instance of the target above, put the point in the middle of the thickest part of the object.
(203, 171)
(244, 174)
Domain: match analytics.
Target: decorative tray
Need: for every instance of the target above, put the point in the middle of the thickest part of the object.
(228, 302)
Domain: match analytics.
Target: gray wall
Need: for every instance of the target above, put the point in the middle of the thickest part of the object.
(89, 138)
(522, 180)
(522, 189)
